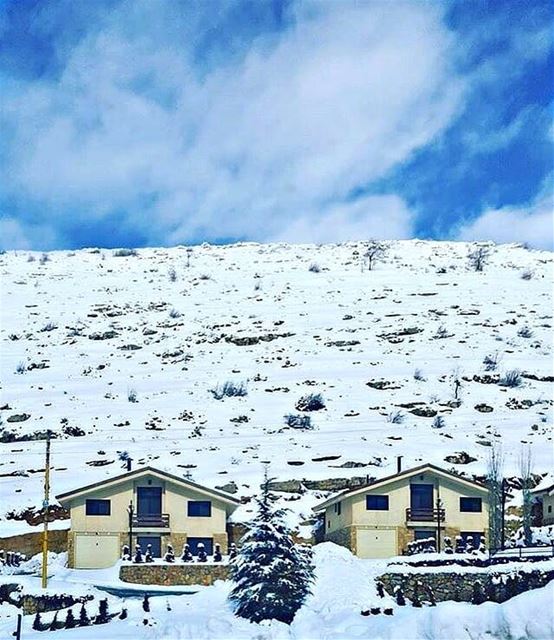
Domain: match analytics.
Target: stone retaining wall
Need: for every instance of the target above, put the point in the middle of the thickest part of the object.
(173, 574)
(498, 586)
(31, 543)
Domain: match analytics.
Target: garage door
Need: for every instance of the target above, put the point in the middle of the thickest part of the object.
(96, 552)
(376, 543)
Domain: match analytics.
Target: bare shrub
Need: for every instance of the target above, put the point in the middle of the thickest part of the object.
(172, 274)
(132, 395)
(314, 268)
(511, 379)
(526, 274)
(296, 421)
(229, 389)
(125, 253)
(525, 332)
(311, 402)
(478, 258)
(375, 251)
(491, 362)
(396, 417)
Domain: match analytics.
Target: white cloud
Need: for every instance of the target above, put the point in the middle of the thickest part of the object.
(16, 235)
(301, 120)
(380, 217)
(533, 224)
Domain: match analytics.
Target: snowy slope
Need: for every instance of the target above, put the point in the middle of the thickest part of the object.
(248, 290)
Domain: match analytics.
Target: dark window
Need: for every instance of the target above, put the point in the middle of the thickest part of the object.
(199, 508)
(472, 505)
(98, 507)
(549, 508)
(328, 524)
(207, 542)
(338, 508)
(377, 503)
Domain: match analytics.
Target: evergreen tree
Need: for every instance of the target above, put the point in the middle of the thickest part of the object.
(146, 603)
(399, 596)
(416, 602)
(123, 614)
(272, 576)
(37, 623)
(232, 551)
(478, 596)
(138, 554)
(170, 554)
(202, 555)
(186, 555)
(70, 621)
(217, 553)
(103, 615)
(84, 620)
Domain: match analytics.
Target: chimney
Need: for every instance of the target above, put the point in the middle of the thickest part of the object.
(399, 464)
(129, 461)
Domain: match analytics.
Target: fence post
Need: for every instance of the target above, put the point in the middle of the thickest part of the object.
(17, 632)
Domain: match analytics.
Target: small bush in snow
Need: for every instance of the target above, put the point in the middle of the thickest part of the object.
(124, 253)
(311, 402)
(44, 258)
(132, 395)
(418, 375)
(31, 258)
(526, 274)
(442, 332)
(174, 313)
(204, 276)
(229, 390)
(525, 332)
(439, 422)
(314, 268)
(172, 274)
(298, 421)
(511, 379)
(395, 417)
(49, 326)
(491, 362)
(20, 367)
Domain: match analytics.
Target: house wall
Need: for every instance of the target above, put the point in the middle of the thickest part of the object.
(354, 514)
(174, 502)
(548, 515)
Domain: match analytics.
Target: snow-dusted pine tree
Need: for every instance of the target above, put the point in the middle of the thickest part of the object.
(272, 575)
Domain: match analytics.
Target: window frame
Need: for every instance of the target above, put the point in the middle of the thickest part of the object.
(468, 500)
(377, 508)
(190, 503)
(98, 501)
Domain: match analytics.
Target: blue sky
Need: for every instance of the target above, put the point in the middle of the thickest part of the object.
(163, 122)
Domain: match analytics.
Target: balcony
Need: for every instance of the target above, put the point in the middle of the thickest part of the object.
(158, 520)
(425, 515)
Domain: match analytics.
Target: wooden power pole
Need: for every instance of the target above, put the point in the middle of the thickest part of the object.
(45, 506)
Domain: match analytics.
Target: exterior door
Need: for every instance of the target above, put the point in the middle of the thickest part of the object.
(149, 501)
(155, 543)
(421, 501)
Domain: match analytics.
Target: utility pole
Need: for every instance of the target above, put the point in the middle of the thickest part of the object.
(17, 632)
(439, 507)
(130, 512)
(45, 506)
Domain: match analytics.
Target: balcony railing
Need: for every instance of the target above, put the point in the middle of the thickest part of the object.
(156, 520)
(425, 515)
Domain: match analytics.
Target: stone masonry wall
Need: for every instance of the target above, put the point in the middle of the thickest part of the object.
(174, 574)
(498, 586)
(345, 537)
(31, 543)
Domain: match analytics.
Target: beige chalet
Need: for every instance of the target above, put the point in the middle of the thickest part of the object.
(378, 520)
(148, 507)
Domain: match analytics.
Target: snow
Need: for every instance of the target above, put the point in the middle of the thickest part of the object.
(87, 381)
(344, 586)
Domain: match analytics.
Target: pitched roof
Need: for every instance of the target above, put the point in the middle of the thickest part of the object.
(137, 473)
(398, 476)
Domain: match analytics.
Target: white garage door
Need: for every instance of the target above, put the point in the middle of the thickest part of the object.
(376, 543)
(96, 552)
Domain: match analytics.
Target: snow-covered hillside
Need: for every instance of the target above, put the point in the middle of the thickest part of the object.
(85, 333)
